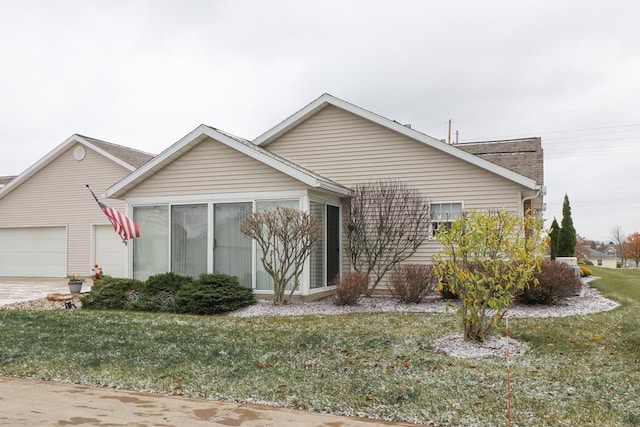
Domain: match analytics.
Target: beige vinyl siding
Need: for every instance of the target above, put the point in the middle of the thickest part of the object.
(212, 167)
(56, 196)
(350, 150)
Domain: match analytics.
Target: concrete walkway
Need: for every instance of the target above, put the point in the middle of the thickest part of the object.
(30, 402)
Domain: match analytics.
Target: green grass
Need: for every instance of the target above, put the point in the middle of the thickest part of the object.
(580, 371)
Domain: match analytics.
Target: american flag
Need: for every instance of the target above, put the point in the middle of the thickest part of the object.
(122, 224)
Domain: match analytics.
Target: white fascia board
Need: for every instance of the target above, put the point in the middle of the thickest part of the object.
(52, 155)
(293, 119)
(326, 99)
(139, 174)
(193, 137)
(275, 163)
(34, 168)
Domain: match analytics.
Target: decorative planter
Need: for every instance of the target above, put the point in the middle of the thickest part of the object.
(75, 287)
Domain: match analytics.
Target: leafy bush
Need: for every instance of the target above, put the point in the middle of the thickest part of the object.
(412, 282)
(585, 272)
(584, 262)
(350, 287)
(443, 288)
(109, 293)
(212, 294)
(555, 281)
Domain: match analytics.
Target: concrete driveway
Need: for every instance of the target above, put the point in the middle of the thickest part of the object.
(17, 289)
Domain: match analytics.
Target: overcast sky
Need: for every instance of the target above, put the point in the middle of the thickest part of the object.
(145, 73)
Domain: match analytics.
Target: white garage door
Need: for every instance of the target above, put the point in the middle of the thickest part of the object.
(110, 253)
(33, 252)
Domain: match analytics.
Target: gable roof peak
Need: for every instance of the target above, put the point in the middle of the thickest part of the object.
(128, 158)
(241, 145)
(326, 99)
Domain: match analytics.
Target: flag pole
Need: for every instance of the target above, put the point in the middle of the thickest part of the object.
(115, 226)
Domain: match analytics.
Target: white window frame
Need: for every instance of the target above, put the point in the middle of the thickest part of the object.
(449, 220)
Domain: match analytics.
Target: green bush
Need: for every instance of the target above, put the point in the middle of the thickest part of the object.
(584, 262)
(444, 290)
(555, 281)
(350, 287)
(212, 294)
(113, 294)
(410, 283)
(159, 293)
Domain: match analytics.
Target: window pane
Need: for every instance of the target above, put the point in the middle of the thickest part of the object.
(333, 242)
(189, 239)
(317, 250)
(263, 280)
(232, 249)
(151, 250)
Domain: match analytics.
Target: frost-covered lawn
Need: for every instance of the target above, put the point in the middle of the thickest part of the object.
(582, 370)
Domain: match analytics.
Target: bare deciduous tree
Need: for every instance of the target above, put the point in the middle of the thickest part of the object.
(618, 239)
(285, 237)
(387, 222)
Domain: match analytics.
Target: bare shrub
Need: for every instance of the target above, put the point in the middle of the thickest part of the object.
(387, 221)
(555, 281)
(350, 287)
(285, 237)
(411, 283)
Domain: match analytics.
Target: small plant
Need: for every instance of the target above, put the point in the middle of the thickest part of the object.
(555, 281)
(74, 278)
(350, 287)
(97, 272)
(411, 283)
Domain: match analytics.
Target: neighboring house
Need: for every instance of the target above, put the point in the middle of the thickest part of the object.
(50, 225)
(603, 259)
(523, 156)
(190, 199)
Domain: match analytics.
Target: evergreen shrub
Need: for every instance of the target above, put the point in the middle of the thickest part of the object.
(213, 294)
(110, 293)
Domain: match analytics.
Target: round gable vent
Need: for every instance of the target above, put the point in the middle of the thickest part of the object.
(79, 153)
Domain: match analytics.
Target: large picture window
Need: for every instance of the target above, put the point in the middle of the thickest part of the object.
(443, 215)
(151, 251)
(231, 248)
(189, 239)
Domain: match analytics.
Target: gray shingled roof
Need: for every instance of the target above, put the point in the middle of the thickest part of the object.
(131, 156)
(523, 156)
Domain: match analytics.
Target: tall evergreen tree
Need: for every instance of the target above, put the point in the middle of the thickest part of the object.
(567, 237)
(554, 235)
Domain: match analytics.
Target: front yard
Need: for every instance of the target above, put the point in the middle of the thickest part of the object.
(580, 370)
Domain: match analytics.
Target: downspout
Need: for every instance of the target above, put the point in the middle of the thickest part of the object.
(540, 190)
